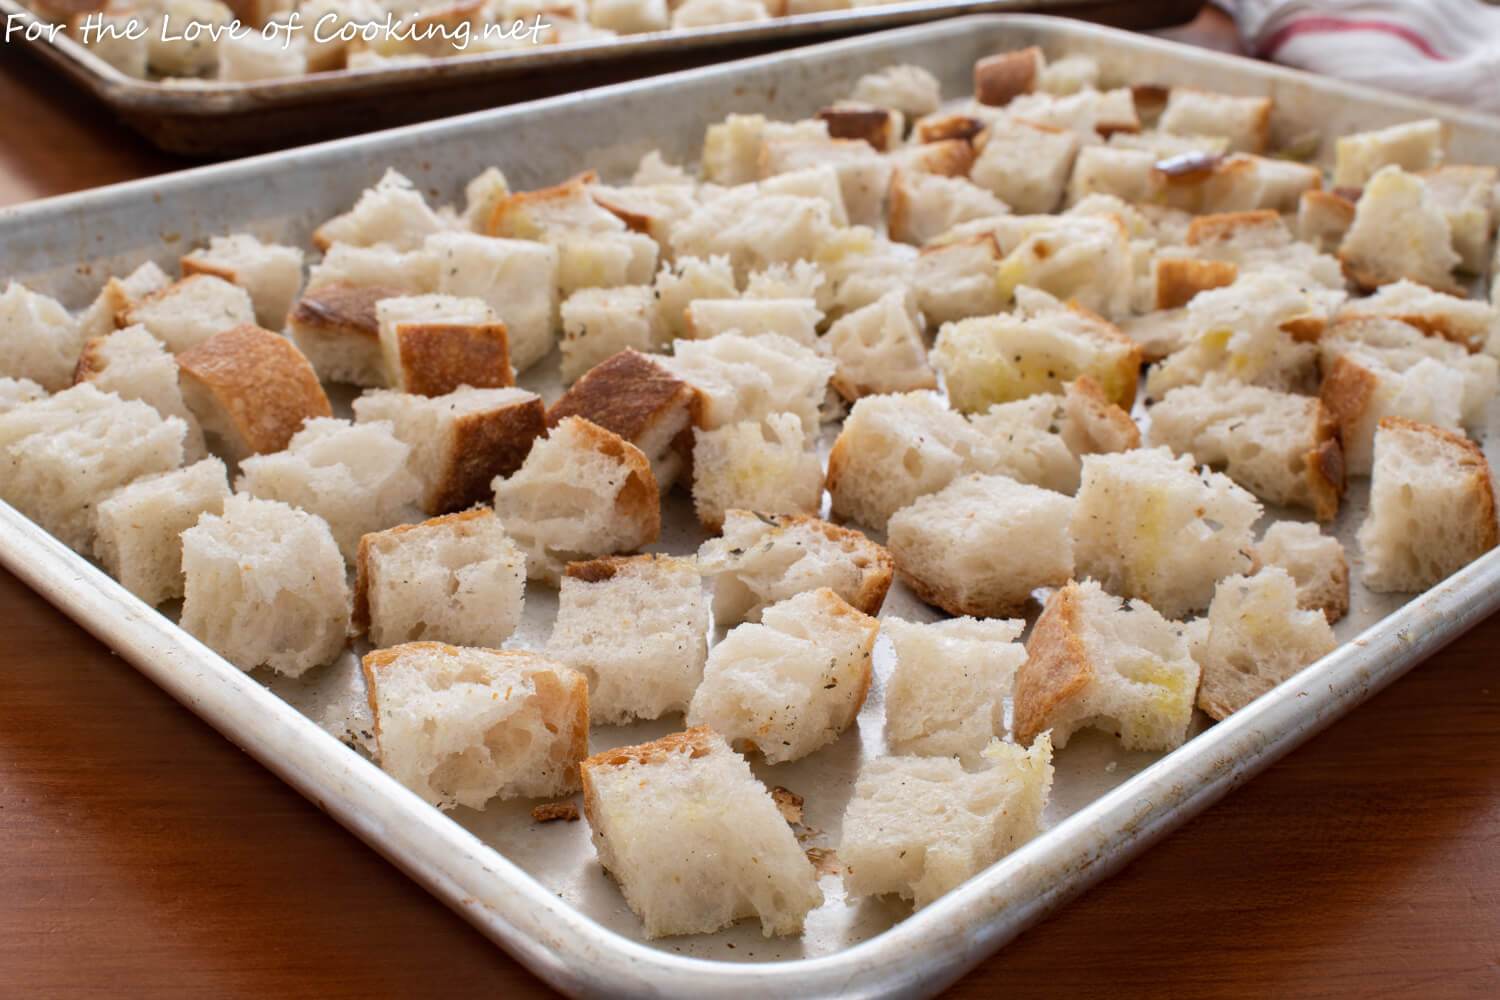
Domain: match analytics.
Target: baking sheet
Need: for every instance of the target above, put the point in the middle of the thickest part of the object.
(536, 889)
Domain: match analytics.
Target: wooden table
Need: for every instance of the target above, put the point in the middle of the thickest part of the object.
(143, 855)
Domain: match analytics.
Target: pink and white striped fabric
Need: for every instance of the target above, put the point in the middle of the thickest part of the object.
(1446, 50)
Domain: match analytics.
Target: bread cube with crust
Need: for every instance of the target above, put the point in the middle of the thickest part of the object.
(116, 298)
(637, 628)
(432, 344)
(1148, 525)
(41, 340)
(1004, 76)
(1257, 637)
(1396, 201)
(335, 327)
(956, 280)
(264, 586)
(550, 213)
(732, 148)
(792, 683)
(599, 323)
(604, 260)
(270, 272)
(1470, 322)
(456, 578)
(1466, 195)
(483, 192)
(1093, 114)
(392, 214)
(923, 205)
(138, 527)
(1432, 507)
(751, 378)
(918, 827)
(863, 174)
(1315, 561)
(582, 492)
(766, 465)
(946, 695)
(731, 855)
(678, 284)
(188, 312)
(132, 364)
(1096, 661)
(1127, 174)
(909, 89)
(461, 726)
(796, 319)
(459, 441)
(1412, 146)
(654, 210)
(517, 279)
(1323, 217)
(1022, 440)
(879, 348)
(1069, 75)
(1244, 121)
(409, 272)
(882, 128)
(1079, 259)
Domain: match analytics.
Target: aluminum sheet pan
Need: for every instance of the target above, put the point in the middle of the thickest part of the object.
(537, 890)
(216, 119)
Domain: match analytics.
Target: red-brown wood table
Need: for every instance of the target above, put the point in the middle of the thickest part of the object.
(143, 855)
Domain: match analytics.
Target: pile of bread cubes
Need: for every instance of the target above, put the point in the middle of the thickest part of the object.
(963, 297)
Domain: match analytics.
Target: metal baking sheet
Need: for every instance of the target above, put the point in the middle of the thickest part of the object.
(537, 890)
(216, 119)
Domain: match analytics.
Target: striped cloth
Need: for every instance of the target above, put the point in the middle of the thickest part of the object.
(1446, 50)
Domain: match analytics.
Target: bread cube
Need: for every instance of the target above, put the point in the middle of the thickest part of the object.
(461, 726)
(751, 378)
(652, 209)
(1282, 447)
(264, 586)
(1314, 560)
(604, 260)
(767, 465)
(863, 174)
(1177, 280)
(1148, 525)
(629, 16)
(1127, 174)
(879, 348)
(792, 683)
(483, 192)
(601, 322)
(138, 527)
(270, 273)
(460, 441)
(918, 827)
(1244, 121)
(1257, 637)
(1432, 507)
(1469, 322)
(755, 229)
(957, 280)
(392, 214)
(336, 329)
(730, 854)
(1083, 260)
(679, 284)
(1095, 661)
(946, 695)
(1323, 218)
(1040, 439)
(410, 272)
(882, 128)
(732, 148)
(250, 389)
(794, 319)
(1466, 195)
(1394, 200)
(456, 578)
(1411, 146)
(517, 279)
(982, 544)
(637, 628)
(1093, 114)
(116, 298)
(60, 456)
(15, 391)
(1244, 182)
(1000, 78)
(583, 491)
(132, 364)
(432, 344)
(190, 311)
(911, 90)
(709, 13)
(926, 205)
(944, 157)
(41, 340)
(1069, 75)
(551, 212)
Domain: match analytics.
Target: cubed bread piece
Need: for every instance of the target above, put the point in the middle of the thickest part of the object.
(1315, 561)
(982, 544)
(138, 527)
(1081, 259)
(271, 273)
(911, 90)
(188, 312)
(545, 213)
(821, 181)
(944, 157)
(391, 214)
(1095, 661)
(60, 456)
(761, 559)
(461, 441)
(879, 348)
(15, 391)
(755, 229)
(264, 585)
(880, 127)
(766, 465)
(1244, 121)
(730, 854)
(629, 17)
(117, 296)
(40, 340)
(637, 628)
(1411, 146)
(792, 683)
(601, 322)
(1178, 279)
(1466, 195)
(638, 399)
(1469, 322)
(335, 327)
(995, 359)
(654, 209)
(604, 260)
(463, 725)
(1091, 424)
(1257, 637)
(456, 578)
(411, 272)
(861, 266)
(1432, 507)
(1323, 218)
(680, 283)
(864, 175)
(1152, 526)
(483, 192)
(1396, 201)
(1260, 241)
(132, 364)
(917, 827)
(946, 695)
(750, 378)
(1093, 114)
(1000, 78)
(1282, 447)
(353, 476)
(1243, 182)
(250, 389)
(732, 148)
(1021, 440)
(432, 344)
(926, 205)
(516, 278)
(956, 280)
(582, 492)
(708, 13)
(795, 319)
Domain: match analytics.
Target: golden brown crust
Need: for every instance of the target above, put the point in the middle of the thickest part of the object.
(265, 387)
(552, 812)
(341, 308)
(194, 265)
(1330, 204)
(1150, 99)
(628, 394)
(505, 217)
(1090, 395)
(1187, 169)
(1057, 666)
(696, 742)
(91, 362)
(877, 126)
(436, 358)
(635, 220)
(484, 445)
(898, 209)
(1346, 392)
(1222, 226)
(876, 565)
(946, 157)
(1370, 277)
(1431, 324)
(1325, 465)
(952, 126)
(1001, 78)
(1466, 455)
(1128, 370)
(1178, 279)
(638, 500)
(836, 607)
(954, 604)
(360, 620)
(604, 568)
(1305, 329)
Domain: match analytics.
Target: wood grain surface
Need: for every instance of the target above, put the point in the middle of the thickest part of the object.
(143, 855)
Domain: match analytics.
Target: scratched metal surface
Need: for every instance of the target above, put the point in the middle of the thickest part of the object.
(537, 890)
